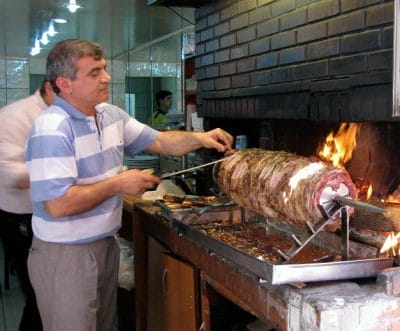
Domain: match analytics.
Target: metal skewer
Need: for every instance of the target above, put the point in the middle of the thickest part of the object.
(193, 168)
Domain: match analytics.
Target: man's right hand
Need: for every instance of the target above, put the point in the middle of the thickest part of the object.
(136, 182)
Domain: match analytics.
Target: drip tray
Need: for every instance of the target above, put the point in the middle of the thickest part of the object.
(251, 242)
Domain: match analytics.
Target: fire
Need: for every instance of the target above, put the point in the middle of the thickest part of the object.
(369, 192)
(338, 148)
(391, 244)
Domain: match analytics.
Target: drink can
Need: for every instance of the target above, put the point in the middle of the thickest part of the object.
(241, 142)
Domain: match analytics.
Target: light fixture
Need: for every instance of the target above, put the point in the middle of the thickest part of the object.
(44, 40)
(60, 20)
(72, 6)
(51, 31)
(36, 49)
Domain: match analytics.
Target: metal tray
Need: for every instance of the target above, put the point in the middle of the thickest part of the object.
(276, 274)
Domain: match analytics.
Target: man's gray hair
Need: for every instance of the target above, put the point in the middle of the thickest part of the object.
(61, 61)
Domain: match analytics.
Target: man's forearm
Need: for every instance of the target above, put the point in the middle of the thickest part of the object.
(81, 198)
(181, 142)
(177, 142)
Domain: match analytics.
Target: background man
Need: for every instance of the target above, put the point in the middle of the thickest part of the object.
(164, 104)
(15, 202)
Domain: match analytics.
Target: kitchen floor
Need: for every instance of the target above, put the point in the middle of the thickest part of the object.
(12, 301)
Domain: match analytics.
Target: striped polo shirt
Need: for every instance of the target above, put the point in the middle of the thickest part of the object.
(65, 148)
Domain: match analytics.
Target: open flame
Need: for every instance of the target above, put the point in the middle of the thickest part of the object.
(338, 148)
(392, 245)
(369, 192)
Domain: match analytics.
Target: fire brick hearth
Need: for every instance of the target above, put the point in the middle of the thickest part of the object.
(342, 306)
(389, 281)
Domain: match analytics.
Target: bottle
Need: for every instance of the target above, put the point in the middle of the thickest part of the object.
(241, 142)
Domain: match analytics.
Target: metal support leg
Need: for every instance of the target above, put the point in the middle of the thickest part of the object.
(345, 233)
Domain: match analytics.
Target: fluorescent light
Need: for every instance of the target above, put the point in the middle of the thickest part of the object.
(60, 20)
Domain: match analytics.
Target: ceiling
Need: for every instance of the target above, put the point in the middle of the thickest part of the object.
(118, 25)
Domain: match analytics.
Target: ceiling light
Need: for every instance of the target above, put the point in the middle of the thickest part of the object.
(44, 40)
(36, 49)
(72, 6)
(51, 31)
(60, 20)
(37, 44)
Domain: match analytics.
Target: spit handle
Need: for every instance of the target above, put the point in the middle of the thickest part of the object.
(358, 204)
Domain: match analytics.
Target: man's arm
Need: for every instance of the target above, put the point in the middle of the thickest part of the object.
(14, 175)
(81, 198)
(181, 142)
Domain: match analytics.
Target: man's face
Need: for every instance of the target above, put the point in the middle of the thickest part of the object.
(90, 87)
(166, 102)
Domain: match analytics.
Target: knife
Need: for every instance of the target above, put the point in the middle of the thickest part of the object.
(193, 168)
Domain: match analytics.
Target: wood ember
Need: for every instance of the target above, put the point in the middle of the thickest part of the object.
(369, 237)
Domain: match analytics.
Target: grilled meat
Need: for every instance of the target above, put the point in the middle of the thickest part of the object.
(280, 185)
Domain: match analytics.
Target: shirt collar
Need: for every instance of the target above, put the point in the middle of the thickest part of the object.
(72, 111)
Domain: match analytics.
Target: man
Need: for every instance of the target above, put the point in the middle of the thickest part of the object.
(15, 203)
(164, 104)
(74, 156)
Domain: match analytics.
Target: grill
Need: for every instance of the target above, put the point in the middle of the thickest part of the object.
(259, 245)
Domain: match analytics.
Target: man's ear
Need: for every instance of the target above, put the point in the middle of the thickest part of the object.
(64, 84)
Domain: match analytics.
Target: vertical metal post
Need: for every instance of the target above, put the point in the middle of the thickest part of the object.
(242, 215)
(344, 216)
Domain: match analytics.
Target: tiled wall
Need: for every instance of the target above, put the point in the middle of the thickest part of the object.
(312, 59)
(14, 79)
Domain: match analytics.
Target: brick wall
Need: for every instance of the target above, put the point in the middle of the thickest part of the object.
(302, 59)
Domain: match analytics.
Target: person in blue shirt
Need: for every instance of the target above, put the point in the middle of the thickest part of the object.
(74, 155)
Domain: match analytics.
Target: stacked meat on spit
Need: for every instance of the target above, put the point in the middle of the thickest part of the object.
(281, 185)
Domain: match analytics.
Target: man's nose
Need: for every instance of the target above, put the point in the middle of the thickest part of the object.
(106, 77)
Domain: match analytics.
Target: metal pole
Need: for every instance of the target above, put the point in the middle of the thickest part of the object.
(345, 233)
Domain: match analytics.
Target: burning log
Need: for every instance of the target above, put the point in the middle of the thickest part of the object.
(369, 237)
(281, 185)
(378, 222)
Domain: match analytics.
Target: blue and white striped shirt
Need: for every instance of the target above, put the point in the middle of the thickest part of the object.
(65, 148)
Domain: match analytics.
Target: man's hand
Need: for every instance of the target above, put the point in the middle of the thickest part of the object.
(137, 182)
(81, 198)
(219, 139)
(181, 142)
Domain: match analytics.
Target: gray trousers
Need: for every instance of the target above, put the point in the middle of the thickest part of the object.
(75, 285)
